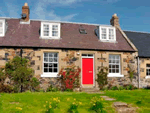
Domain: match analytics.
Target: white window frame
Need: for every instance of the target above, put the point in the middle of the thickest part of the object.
(3, 34)
(50, 30)
(107, 33)
(147, 76)
(115, 74)
(51, 74)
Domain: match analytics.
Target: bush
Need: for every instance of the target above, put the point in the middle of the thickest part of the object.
(18, 69)
(5, 88)
(97, 105)
(52, 89)
(102, 77)
(34, 83)
(74, 107)
(51, 105)
(114, 88)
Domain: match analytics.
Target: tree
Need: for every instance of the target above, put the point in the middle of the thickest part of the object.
(20, 72)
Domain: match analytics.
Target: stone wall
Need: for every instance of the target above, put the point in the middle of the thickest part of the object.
(144, 82)
(100, 58)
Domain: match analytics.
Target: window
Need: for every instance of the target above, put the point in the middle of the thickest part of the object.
(2, 27)
(107, 33)
(50, 65)
(148, 70)
(50, 30)
(114, 66)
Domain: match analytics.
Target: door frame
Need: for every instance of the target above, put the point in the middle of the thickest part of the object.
(82, 85)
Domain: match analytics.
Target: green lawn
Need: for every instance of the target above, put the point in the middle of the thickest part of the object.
(138, 98)
(34, 102)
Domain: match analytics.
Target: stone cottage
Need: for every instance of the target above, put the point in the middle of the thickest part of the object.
(46, 42)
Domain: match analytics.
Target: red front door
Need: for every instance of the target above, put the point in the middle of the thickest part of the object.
(87, 71)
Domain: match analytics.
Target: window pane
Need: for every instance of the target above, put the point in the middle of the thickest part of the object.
(84, 54)
(50, 65)
(113, 70)
(103, 30)
(55, 54)
(45, 54)
(50, 54)
(45, 64)
(45, 69)
(54, 33)
(45, 59)
(117, 70)
(50, 70)
(50, 59)
(55, 65)
(110, 71)
(55, 59)
(55, 69)
(55, 27)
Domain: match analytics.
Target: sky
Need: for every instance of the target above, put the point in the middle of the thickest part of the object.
(134, 15)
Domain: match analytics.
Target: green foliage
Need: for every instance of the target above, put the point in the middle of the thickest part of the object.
(73, 107)
(34, 83)
(2, 75)
(102, 77)
(97, 105)
(52, 89)
(139, 102)
(5, 88)
(114, 88)
(51, 105)
(20, 72)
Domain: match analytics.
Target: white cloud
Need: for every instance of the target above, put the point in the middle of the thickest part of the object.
(39, 10)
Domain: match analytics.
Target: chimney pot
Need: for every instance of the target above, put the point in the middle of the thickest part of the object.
(114, 21)
(25, 10)
(26, 4)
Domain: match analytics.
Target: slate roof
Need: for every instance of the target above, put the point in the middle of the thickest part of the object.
(141, 41)
(27, 35)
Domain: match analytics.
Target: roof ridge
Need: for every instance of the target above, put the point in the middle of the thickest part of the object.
(138, 31)
(58, 21)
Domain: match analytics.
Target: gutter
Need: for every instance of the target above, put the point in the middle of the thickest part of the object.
(138, 71)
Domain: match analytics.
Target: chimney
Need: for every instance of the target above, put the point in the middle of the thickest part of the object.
(25, 12)
(114, 20)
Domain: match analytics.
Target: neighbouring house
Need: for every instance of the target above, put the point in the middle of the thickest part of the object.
(141, 41)
(46, 42)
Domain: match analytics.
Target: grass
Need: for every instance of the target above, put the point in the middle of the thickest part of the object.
(34, 102)
(139, 98)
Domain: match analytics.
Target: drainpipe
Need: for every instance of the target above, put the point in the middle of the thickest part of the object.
(138, 62)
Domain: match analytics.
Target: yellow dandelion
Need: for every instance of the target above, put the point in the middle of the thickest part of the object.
(50, 102)
(73, 103)
(44, 106)
(94, 104)
(102, 99)
(58, 100)
(68, 99)
(50, 106)
(46, 101)
(74, 99)
(80, 103)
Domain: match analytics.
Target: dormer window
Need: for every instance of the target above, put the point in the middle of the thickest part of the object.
(50, 30)
(2, 27)
(107, 33)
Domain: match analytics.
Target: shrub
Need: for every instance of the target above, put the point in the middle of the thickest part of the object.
(52, 89)
(120, 88)
(5, 88)
(18, 69)
(97, 105)
(102, 76)
(51, 105)
(74, 107)
(34, 83)
(114, 88)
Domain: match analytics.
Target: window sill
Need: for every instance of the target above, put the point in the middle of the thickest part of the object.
(110, 41)
(50, 38)
(147, 77)
(114, 75)
(49, 75)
